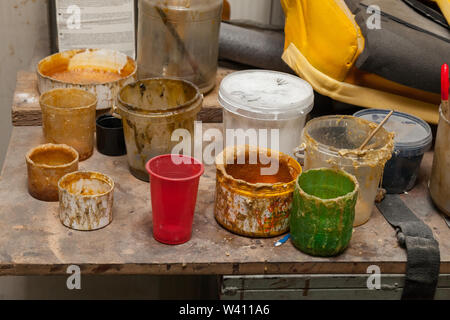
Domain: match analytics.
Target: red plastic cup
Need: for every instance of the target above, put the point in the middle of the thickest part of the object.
(173, 185)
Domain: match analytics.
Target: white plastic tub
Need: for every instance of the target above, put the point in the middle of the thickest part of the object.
(260, 99)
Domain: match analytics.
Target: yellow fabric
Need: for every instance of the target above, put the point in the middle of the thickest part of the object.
(322, 44)
(325, 32)
(444, 5)
(353, 94)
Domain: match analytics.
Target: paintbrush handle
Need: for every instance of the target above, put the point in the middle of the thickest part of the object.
(444, 89)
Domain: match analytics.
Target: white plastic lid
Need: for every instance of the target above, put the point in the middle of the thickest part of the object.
(412, 135)
(266, 95)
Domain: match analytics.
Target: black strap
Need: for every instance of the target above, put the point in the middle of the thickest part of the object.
(423, 256)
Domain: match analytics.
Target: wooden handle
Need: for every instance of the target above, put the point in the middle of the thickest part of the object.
(446, 109)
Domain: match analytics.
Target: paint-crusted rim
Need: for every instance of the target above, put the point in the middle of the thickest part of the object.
(54, 147)
(87, 106)
(339, 171)
(76, 51)
(247, 148)
(104, 177)
(185, 107)
(351, 154)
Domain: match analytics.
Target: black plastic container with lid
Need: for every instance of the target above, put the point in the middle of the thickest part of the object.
(413, 137)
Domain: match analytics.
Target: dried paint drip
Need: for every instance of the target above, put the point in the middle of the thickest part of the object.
(99, 71)
(46, 164)
(86, 200)
(323, 211)
(249, 203)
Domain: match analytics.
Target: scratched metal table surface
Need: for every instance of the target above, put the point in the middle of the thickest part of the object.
(34, 242)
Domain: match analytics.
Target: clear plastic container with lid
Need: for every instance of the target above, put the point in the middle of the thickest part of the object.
(261, 99)
(334, 141)
(412, 139)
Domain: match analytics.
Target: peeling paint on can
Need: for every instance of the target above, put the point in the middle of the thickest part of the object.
(86, 200)
(254, 209)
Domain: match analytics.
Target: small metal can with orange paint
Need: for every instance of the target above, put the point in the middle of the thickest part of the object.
(254, 190)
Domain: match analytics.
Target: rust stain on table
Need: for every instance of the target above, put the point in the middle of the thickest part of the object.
(33, 241)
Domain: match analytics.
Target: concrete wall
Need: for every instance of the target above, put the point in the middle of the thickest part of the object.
(23, 35)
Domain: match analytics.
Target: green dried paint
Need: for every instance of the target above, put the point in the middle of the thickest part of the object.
(323, 211)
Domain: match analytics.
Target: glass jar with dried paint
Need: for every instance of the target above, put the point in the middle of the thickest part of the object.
(179, 38)
(68, 117)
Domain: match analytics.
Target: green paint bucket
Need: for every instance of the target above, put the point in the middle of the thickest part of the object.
(323, 211)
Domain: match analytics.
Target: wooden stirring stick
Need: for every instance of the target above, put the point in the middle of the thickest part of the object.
(374, 132)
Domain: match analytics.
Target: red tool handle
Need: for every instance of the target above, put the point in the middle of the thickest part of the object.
(444, 82)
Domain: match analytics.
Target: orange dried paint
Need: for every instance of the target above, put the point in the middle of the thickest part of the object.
(86, 76)
(249, 203)
(251, 173)
(85, 184)
(52, 157)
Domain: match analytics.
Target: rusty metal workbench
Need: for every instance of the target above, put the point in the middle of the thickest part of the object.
(34, 242)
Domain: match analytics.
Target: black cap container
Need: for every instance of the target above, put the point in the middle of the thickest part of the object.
(412, 139)
(110, 137)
